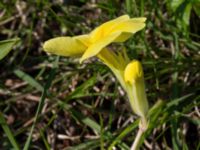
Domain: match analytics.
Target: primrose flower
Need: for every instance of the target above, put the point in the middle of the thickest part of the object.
(129, 73)
(89, 45)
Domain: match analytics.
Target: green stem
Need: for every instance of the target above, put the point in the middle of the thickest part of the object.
(136, 143)
(143, 126)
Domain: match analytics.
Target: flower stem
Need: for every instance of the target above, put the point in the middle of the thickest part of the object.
(136, 143)
(142, 128)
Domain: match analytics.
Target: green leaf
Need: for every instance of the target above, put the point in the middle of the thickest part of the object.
(186, 14)
(182, 9)
(196, 6)
(6, 46)
(174, 4)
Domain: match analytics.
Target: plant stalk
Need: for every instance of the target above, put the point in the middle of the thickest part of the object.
(136, 143)
(142, 128)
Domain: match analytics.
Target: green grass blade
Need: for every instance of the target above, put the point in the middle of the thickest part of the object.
(101, 133)
(80, 90)
(85, 145)
(41, 103)
(24, 76)
(86, 120)
(8, 132)
(92, 124)
(175, 102)
(44, 140)
(125, 132)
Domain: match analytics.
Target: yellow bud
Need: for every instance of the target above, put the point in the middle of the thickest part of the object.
(133, 71)
(135, 88)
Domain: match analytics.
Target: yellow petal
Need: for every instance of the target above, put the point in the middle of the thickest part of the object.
(65, 46)
(84, 39)
(132, 25)
(139, 19)
(133, 71)
(95, 48)
(117, 30)
(123, 37)
(104, 29)
(127, 28)
(123, 24)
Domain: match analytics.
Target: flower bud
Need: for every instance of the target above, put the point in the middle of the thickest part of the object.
(133, 71)
(134, 78)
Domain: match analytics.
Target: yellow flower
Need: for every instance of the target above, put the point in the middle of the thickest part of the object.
(129, 73)
(88, 45)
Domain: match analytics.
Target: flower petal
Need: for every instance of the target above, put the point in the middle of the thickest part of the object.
(128, 28)
(123, 37)
(132, 25)
(95, 48)
(104, 29)
(65, 46)
(133, 71)
(84, 39)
